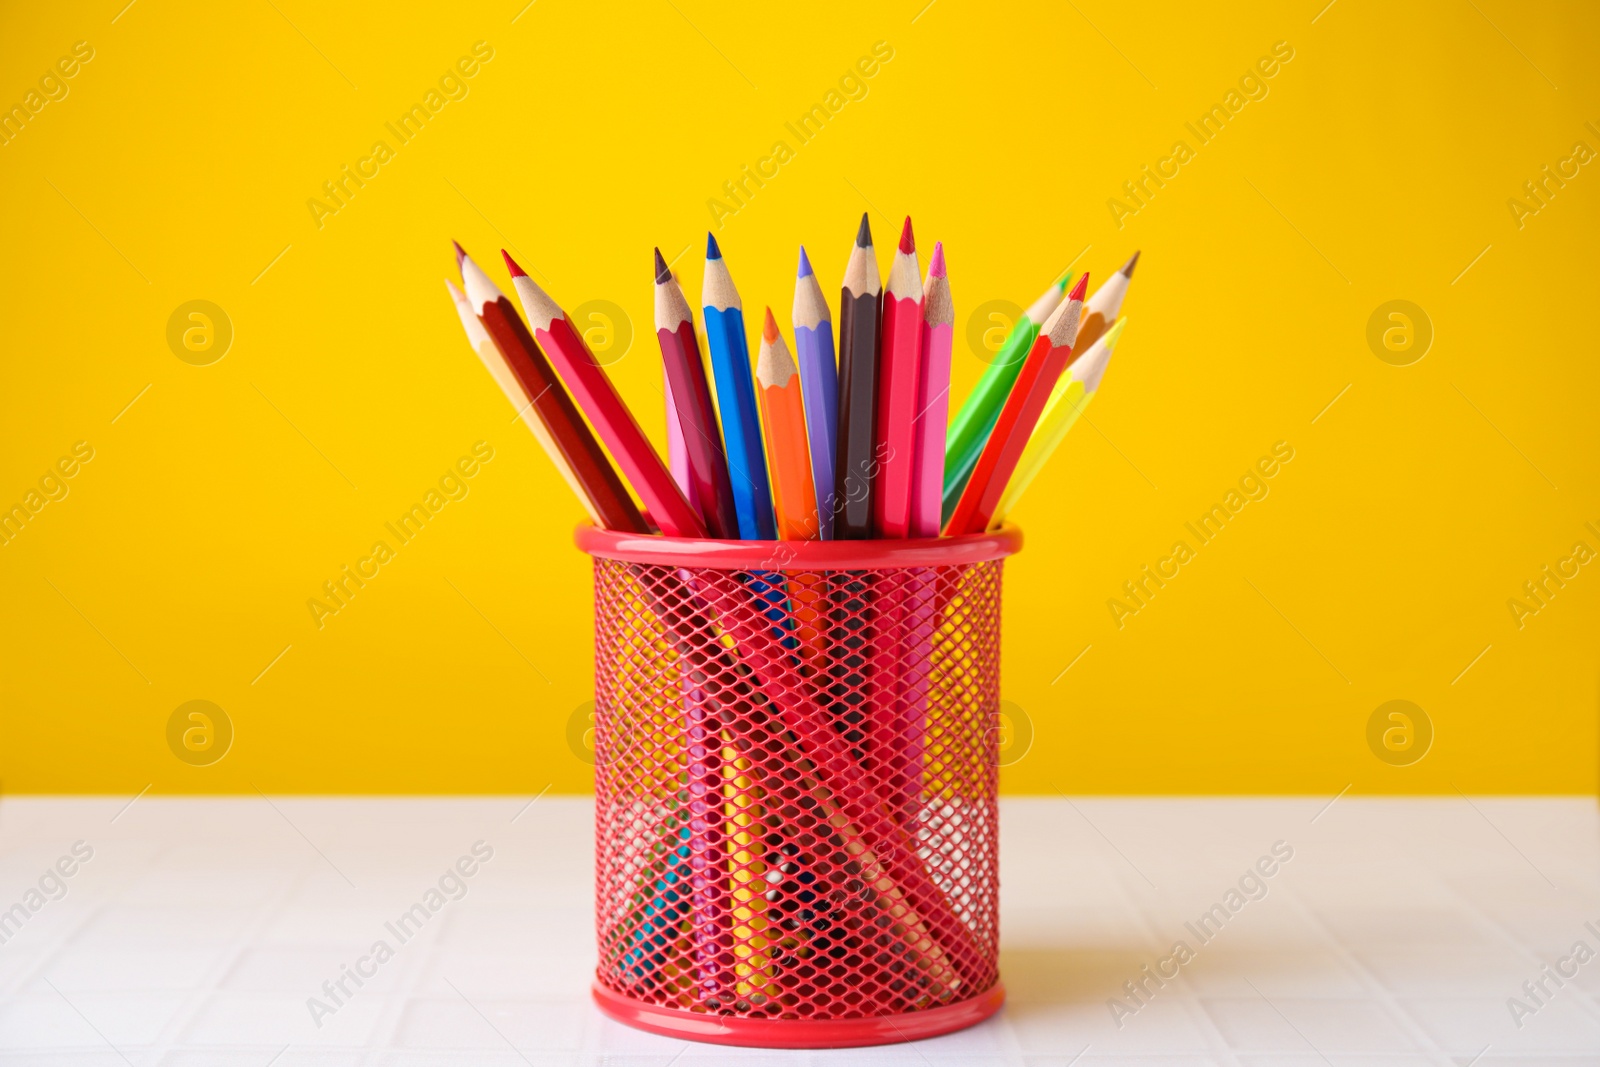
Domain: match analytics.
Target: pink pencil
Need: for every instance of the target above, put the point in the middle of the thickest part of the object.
(933, 397)
(678, 448)
(919, 597)
(612, 420)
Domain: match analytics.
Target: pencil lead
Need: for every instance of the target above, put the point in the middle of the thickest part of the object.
(805, 264)
(908, 243)
(712, 251)
(1127, 268)
(864, 234)
(511, 265)
(461, 253)
(1079, 289)
(663, 272)
(1109, 338)
(936, 263)
(1062, 279)
(769, 328)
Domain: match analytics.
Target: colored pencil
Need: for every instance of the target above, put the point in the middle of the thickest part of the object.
(819, 382)
(736, 400)
(661, 916)
(918, 596)
(765, 709)
(1051, 352)
(794, 500)
(900, 358)
(605, 408)
(933, 398)
(1104, 306)
(691, 401)
(844, 781)
(1067, 401)
(568, 436)
(678, 448)
(503, 376)
(970, 428)
(857, 462)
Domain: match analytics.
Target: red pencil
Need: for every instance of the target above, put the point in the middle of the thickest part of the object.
(605, 408)
(568, 433)
(1051, 353)
(900, 359)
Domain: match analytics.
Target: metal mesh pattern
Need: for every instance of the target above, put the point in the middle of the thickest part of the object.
(795, 781)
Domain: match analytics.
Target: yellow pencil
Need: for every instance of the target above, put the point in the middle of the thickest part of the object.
(1067, 400)
(752, 942)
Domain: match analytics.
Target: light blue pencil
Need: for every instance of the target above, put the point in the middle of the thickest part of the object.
(819, 386)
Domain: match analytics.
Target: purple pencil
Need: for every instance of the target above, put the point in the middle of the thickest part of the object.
(819, 386)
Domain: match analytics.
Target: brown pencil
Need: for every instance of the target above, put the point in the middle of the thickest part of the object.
(858, 390)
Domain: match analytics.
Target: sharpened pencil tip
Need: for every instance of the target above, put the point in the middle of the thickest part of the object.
(1127, 268)
(712, 251)
(936, 264)
(1109, 338)
(908, 243)
(805, 264)
(663, 273)
(511, 265)
(1081, 288)
(461, 254)
(769, 328)
(864, 234)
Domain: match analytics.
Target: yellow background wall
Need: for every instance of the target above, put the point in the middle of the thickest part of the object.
(1379, 166)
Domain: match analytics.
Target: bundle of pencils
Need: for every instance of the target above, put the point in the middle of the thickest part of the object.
(841, 435)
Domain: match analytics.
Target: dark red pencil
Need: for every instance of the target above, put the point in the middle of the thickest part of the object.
(691, 395)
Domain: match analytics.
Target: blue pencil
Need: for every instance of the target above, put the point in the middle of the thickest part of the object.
(736, 399)
(819, 386)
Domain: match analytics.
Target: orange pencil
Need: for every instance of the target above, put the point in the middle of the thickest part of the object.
(794, 498)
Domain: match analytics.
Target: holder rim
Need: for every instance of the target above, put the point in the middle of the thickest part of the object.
(799, 1033)
(797, 555)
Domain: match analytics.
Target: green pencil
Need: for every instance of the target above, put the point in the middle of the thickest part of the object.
(970, 428)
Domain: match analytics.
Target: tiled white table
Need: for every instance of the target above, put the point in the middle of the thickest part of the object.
(1395, 935)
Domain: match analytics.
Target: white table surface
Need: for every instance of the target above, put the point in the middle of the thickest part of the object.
(1395, 935)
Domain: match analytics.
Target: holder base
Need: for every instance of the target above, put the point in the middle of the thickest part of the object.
(799, 1033)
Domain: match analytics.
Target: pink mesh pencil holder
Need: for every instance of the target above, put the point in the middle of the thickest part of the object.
(796, 825)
